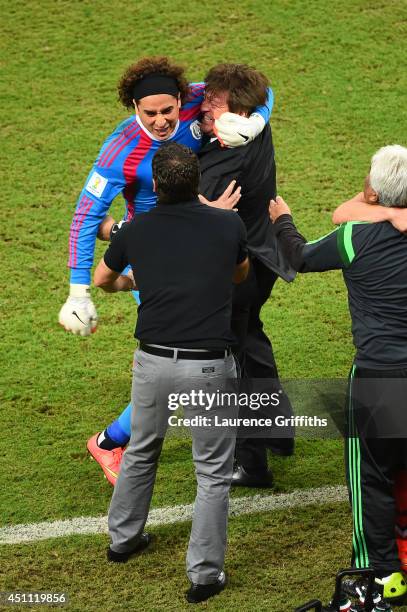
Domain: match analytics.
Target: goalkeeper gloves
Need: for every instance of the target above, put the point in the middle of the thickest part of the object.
(235, 131)
(78, 314)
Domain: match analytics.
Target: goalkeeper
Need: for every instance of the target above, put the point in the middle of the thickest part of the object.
(166, 109)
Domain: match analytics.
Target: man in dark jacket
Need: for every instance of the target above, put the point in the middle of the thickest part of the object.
(236, 88)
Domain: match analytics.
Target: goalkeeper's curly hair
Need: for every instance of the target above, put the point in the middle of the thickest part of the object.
(150, 65)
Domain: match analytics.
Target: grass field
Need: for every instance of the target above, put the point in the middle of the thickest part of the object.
(339, 75)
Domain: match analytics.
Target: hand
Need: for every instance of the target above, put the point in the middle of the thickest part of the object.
(227, 200)
(78, 315)
(235, 130)
(130, 275)
(277, 208)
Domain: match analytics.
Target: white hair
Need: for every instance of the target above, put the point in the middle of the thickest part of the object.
(388, 175)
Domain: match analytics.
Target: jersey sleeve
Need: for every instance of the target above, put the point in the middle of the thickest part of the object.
(105, 181)
(266, 109)
(191, 108)
(326, 253)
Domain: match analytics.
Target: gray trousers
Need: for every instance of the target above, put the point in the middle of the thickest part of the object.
(154, 378)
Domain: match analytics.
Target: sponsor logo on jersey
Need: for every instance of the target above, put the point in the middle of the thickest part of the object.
(196, 130)
(96, 184)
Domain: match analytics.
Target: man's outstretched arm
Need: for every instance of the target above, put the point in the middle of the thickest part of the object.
(327, 253)
(108, 274)
(111, 281)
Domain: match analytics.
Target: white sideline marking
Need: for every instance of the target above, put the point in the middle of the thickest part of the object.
(33, 532)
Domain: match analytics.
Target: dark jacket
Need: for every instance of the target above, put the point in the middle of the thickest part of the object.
(254, 168)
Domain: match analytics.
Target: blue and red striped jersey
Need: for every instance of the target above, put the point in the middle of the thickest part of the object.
(124, 166)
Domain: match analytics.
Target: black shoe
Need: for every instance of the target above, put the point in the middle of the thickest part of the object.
(283, 447)
(241, 478)
(344, 604)
(381, 606)
(142, 544)
(201, 592)
(357, 589)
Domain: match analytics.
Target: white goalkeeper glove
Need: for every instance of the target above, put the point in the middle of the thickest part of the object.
(235, 131)
(78, 314)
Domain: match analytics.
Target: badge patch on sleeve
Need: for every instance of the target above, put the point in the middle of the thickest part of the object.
(96, 184)
(196, 130)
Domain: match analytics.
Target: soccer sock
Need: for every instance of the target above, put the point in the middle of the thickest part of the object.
(118, 432)
(112, 437)
(124, 421)
(105, 442)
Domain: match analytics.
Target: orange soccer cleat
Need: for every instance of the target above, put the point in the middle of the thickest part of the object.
(109, 460)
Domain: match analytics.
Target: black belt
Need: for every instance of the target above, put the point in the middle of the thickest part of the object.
(183, 354)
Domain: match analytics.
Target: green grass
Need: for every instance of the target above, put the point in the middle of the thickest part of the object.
(60, 481)
(337, 71)
(263, 552)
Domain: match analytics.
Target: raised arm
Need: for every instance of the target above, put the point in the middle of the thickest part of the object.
(357, 209)
(265, 110)
(234, 130)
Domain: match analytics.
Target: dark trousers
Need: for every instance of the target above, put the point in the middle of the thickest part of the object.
(374, 452)
(256, 359)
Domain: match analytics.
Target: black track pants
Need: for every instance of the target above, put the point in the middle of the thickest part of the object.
(376, 411)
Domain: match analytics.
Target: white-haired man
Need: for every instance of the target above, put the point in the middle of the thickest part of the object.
(373, 259)
(363, 207)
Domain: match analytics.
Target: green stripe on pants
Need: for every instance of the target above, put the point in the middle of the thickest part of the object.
(353, 443)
